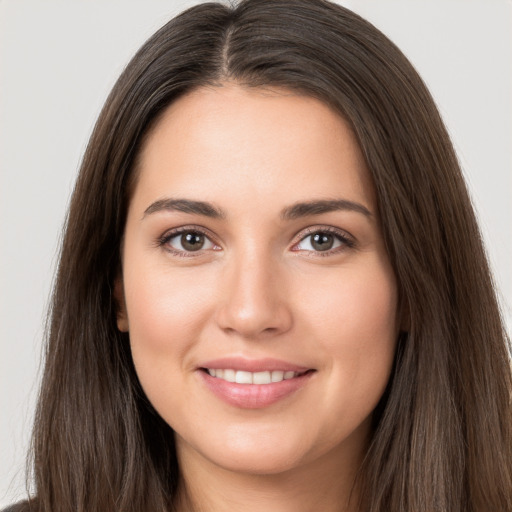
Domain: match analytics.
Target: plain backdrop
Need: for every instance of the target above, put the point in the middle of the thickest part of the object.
(59, 59)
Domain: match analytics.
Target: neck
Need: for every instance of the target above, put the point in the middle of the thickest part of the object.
(326, 484)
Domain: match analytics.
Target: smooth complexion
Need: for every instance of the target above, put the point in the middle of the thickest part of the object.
(253, 243)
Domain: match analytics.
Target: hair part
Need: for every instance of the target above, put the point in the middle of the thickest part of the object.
(442, 431)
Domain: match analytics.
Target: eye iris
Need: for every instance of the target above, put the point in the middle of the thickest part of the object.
(192, 241)
(322, 241)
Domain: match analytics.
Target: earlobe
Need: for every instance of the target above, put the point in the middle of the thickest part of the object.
(121, 313)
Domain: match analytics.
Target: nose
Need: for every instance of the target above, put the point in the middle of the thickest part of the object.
(254, 304)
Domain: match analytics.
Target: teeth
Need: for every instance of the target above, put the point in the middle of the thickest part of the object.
(242, 377)
(277, 376)
(230, 375)
(261, 378)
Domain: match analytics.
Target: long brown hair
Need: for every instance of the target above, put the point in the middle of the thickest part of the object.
(442, 437)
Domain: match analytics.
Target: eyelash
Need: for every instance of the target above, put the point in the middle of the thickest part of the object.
(346, 240)
(169, 235)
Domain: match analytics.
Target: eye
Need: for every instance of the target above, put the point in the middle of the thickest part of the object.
(187, 241)
(323, 241)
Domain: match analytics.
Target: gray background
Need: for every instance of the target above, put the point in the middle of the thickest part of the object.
(58, 60)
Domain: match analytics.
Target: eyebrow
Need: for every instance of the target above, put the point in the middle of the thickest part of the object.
(318, 207)
(185, 206)
(295, 211)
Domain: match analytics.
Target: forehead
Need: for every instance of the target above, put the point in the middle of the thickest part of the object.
(269, 143)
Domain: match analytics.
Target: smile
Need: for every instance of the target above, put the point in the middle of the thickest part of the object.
(250, 384)
(244, 377)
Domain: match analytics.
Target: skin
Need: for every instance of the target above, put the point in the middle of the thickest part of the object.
(258, 288)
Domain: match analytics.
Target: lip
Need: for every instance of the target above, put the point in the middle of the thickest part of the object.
(253, 365)
(253, 396)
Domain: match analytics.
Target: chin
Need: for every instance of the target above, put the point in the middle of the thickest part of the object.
(249, 453)
(257, 462)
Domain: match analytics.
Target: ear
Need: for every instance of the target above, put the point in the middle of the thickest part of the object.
(121, 313)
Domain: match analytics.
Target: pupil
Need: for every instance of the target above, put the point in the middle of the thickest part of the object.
(322, 241)
(192, 241)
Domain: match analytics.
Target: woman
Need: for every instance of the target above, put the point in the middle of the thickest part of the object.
(272, 291)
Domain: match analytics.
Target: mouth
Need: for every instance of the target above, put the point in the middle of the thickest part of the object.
(258, 378)
(254, 384)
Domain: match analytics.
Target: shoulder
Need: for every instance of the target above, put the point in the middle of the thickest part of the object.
(22, 506)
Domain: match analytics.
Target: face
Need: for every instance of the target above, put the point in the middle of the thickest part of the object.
(256, 289)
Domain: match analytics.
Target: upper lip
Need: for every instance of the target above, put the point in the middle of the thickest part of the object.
(253, 365)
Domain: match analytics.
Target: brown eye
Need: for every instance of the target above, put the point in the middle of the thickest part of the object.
(188, 241)
(192, 241)
(322, 241)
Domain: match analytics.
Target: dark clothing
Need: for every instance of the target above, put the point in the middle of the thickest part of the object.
(14, 508)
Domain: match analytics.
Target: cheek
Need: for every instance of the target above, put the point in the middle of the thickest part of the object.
(355, 309)
(355, 324)
(166, 314)
(160, 302)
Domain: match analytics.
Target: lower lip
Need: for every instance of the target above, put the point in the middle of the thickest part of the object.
(253, 396)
